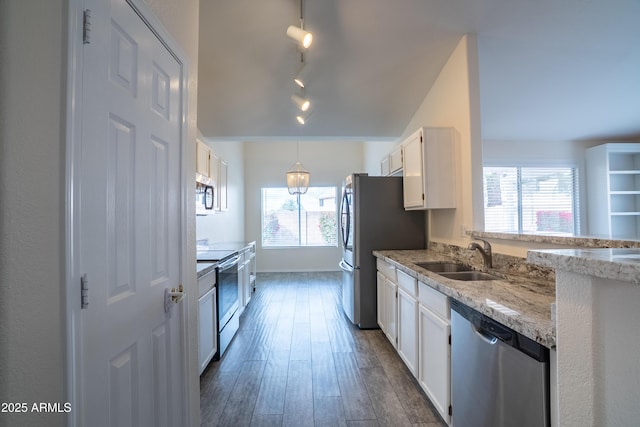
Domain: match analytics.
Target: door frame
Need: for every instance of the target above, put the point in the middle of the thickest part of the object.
(72, 371)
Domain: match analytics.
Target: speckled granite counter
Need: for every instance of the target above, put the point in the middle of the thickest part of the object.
(519, 303)
(614, 264)
(204, 268)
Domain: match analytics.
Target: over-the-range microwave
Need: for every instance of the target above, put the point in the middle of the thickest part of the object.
(205, 195)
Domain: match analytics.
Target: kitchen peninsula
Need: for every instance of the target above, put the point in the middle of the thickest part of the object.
(598, 340)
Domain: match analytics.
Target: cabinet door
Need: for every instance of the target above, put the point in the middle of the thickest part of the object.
(435, 360)
(224, 200)
(207, 328)
(246, 279)
(384, 166)
(408, 330)
(395, 160)
(202, 159)
(413, 181)
(390, 311)
(215, 176)
(380, 310)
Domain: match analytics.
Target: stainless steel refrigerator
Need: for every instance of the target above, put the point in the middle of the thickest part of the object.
(372, 217)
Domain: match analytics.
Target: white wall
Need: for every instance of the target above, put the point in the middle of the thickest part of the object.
(547, 153)
(453, 101)
(32, 153)
(229, 225)
(374, 151)
(266, 163)
(32, 195)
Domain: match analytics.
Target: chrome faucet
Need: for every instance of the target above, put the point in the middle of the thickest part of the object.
(484, 251)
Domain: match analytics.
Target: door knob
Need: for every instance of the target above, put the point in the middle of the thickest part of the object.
(172, 296)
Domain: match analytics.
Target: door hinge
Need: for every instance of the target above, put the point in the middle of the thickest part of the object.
(86, 26)
(84, 291)
(423, 197)
(450, 410)
(449, 339)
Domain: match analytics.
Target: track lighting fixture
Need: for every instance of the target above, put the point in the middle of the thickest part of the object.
(299, 81)
(302, 103)
(302, 118)
(304, 38)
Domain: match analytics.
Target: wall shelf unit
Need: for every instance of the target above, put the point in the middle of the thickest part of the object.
(613, 187)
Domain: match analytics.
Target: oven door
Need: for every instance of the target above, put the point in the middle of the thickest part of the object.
(227, 290)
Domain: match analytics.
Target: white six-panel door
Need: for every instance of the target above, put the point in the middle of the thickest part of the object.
(131, 357)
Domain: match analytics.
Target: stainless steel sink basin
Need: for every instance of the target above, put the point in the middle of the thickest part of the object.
(469, 275)
(443, 266)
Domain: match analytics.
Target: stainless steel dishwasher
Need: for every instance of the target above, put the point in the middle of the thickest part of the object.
(500, 377)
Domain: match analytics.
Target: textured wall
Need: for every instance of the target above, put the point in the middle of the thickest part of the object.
(32, 153)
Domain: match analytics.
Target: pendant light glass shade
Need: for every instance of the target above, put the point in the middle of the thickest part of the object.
(301, 102)
(304, 38)
(298, 179)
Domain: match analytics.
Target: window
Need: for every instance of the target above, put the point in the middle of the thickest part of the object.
(299, 220)
(531, 200)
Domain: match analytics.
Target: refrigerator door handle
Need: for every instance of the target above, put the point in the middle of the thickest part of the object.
(345, 219)
(346, 267)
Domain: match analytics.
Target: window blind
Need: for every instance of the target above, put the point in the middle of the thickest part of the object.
(308, 219)
(532, 200)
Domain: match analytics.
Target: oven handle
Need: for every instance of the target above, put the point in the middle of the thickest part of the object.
(225, 265)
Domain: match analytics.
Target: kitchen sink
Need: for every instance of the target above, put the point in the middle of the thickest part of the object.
(469, 275)
(443, 266)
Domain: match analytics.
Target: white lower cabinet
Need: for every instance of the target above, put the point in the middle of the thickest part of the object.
(391, 311)
(408, 330)
(207, 328)
(416, 319)
(380, 308)
(387, 309)
(435, 360)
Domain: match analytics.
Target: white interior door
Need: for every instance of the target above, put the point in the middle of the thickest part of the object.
(131, 350)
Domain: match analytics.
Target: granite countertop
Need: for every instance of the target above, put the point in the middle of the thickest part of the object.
(204, 268)
(208, 255)
(227, 246)
(614, 264)
(520, 303)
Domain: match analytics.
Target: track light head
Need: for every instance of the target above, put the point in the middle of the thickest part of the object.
(302, 103)
(304, 38)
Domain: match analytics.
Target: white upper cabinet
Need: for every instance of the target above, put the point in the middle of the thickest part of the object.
(203, 156)
(384, 166)
(429, 168)
(391, 164)
(395, 160)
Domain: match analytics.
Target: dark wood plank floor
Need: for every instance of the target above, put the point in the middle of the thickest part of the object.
(297, 361)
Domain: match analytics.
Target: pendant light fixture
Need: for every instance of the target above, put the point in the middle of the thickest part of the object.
(297, 176)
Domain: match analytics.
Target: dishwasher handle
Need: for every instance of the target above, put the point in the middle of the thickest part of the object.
(484, 336)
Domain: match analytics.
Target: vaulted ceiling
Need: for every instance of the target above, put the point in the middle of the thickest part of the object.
(549, 69)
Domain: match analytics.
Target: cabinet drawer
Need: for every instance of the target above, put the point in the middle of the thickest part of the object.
(408, 283)
(434, 300)
(387, 269)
